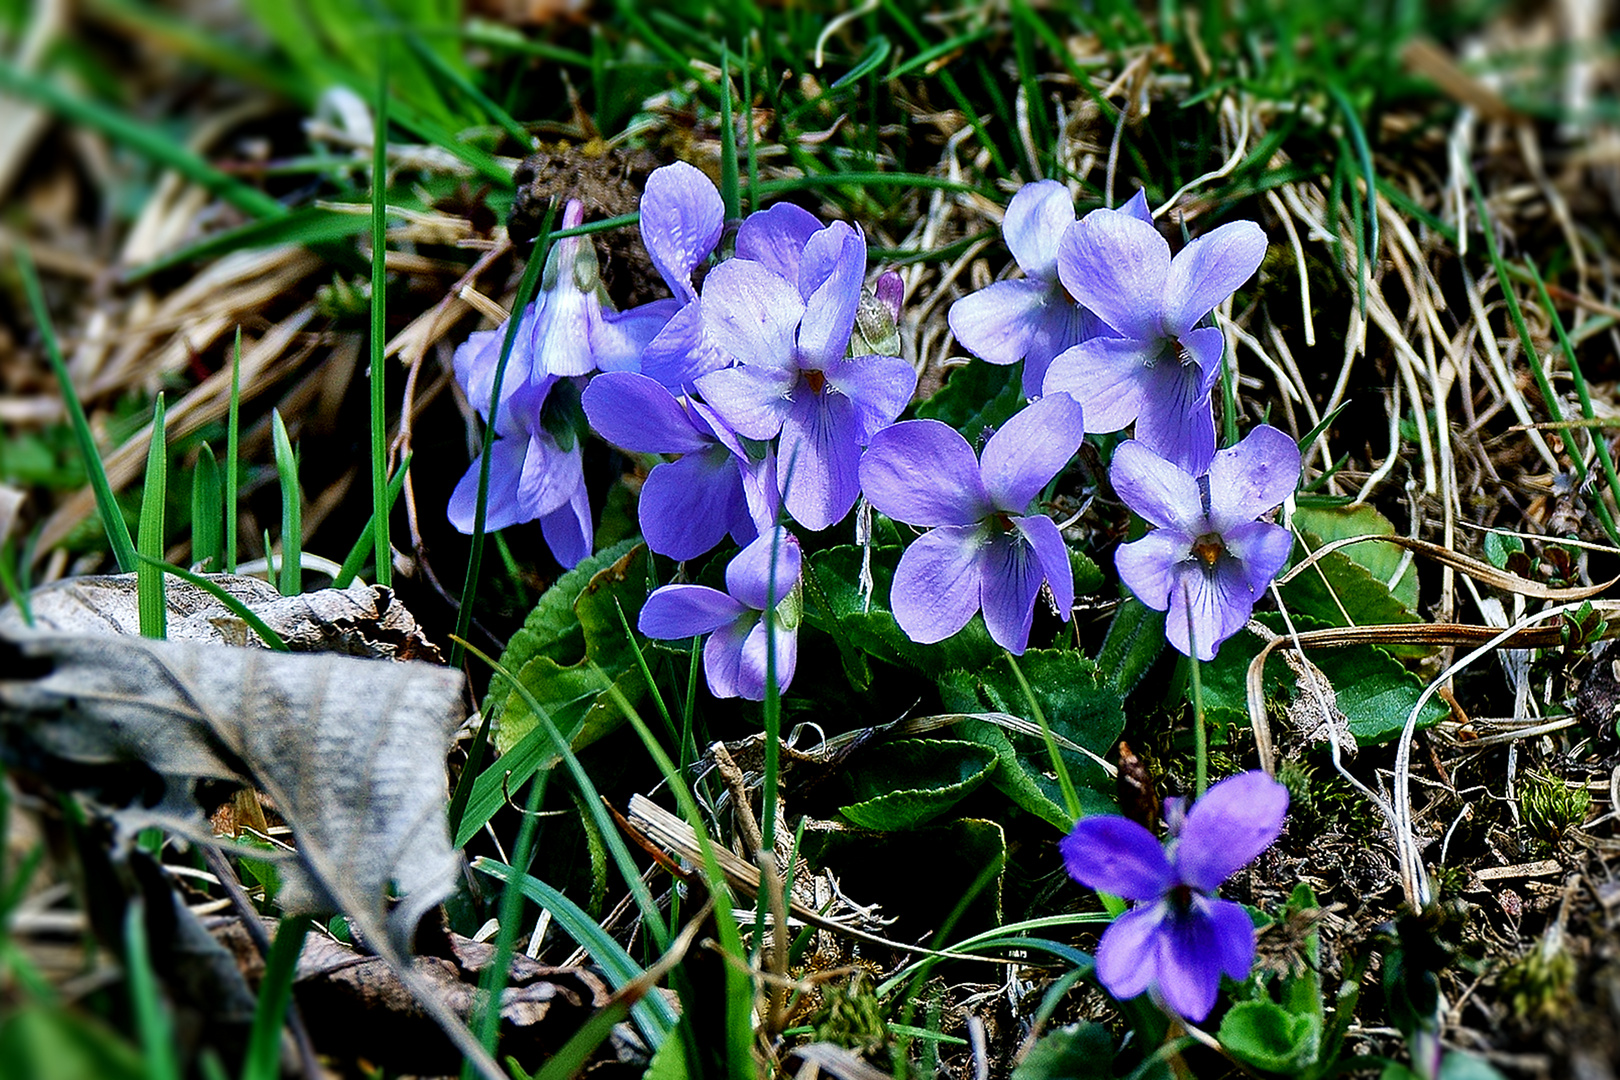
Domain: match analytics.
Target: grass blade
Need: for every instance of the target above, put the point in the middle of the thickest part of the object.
(363, 543)
(146, 999)
(155, 493)
(292, 517)
(236, 607)
(275, 993)
(207, 510)
(729, 196)
(146, 141)
(233, 440)
(382, 550)
(112, 518)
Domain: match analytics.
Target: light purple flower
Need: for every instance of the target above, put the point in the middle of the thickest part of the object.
(1179, 939)
(1210, 557)
(572, 328)
(981, 552)
(1032, 318)
(689, 504)
(1153, 363)
(682, 217)
(531, 475)
(734, 658)
(788, 338)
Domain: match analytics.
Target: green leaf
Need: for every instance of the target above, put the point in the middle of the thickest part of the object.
(149, 542)
(1077, 1052)
(976, 397)
(569, 691)
(1267, 1036)
(207, 511)
(552, 629)
(1088, 577)
(932, 775)
(1375, 693)
(1342, 588)
(1078, 707)
(1135, 640)
(1331, 523)
(840, 611)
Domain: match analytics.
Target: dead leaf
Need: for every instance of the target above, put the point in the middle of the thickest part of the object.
(357, 1006)
(351, 751)
(362, 620)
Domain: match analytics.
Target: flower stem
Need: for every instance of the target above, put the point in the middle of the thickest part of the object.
(1200, 736)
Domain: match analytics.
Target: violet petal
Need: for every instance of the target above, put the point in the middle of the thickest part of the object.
(1107, 376)
(880, 387)
(682, 611)
(922, 472)
(1208, 270)
(998, 322)
(1234, 936)
(1116, 266)
(1145, 565)
(1189, 961)
(936, 584)
(750, 313)
(722, 655)
(622, 337)
(1218, 603)
(681, 351)
(1261, 549)
(751, 660)
(1060, 325)
(1127, 954)
(1030, 449)
(681, 219)
(567, 529)
(637, 413)
(775, 238)
(1033, 224)
(1228, 827)
(501, 508)
(1012, 579)
(1252, 477)
(1156, 490)
(765, 569)
(687, 506)
(1116, 855)
(1042, 534)
(753, 401)
(819, 457)
(1177, 421)
(830, 278)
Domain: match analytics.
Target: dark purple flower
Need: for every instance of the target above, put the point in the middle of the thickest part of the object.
(1179, 938)
(1032, 318)
(787, 339)
(689, 504)
(981, 552)
(1209, 557)
(1152, 363)
(734, 658)
(531, 474)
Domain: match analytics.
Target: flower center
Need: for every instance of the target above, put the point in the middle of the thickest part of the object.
(1208, 549)
(815, 380)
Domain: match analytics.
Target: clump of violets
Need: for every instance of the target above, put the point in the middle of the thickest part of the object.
(1210, 557)
(1036, 317)
(1179, 939)
(984, 549)
(1154, 362)
(763, 574)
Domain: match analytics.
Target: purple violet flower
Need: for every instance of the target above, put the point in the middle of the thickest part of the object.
(1033, 318)
(572, 328)
(1153, 363)
(531, 474)
(734, 657)
(689, 504)
(1209, 556)
(682, 218)
(1179, 938)
(981, 551)
(788, 338)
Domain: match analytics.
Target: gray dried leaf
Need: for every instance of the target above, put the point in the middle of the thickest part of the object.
(362, 620)
(351, 751)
